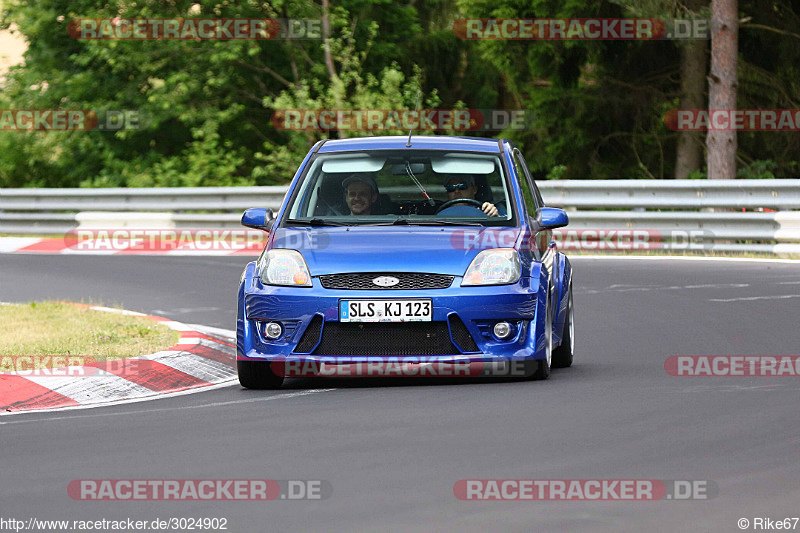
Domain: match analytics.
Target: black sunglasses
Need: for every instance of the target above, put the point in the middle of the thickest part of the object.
(456, 187)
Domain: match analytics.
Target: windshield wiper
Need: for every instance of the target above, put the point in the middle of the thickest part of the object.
(316, 222)
(405, 221)
(399, 221)
(443, 223)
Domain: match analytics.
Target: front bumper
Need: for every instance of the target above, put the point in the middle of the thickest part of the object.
(301, 310)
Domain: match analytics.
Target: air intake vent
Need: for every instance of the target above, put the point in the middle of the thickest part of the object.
(461, 335)
(310, 336)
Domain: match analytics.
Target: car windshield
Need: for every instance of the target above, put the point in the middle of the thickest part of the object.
(403, 187)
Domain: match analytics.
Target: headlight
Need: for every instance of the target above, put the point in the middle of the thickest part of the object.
(498, 266)
(285, 267)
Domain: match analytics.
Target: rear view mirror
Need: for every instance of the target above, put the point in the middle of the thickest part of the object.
(258, 218)
(416, 169)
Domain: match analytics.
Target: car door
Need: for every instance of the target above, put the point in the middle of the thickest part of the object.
(542, 246)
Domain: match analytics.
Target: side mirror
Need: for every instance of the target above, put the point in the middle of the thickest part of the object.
(258, 218)
(552, 217)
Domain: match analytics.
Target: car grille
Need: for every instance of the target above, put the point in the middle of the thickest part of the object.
(408, 281)
(385, 338)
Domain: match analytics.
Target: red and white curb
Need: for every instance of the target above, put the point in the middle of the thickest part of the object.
(198, 360)
(59, 245)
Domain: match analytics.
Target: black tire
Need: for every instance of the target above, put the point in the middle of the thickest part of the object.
(536, 369)
(562, 356)
(539, 369)
(258, 375)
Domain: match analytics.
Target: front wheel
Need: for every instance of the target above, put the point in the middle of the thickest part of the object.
(536, 369)
(539, 369)
(562, 356)
(258, 375)
(542, 366)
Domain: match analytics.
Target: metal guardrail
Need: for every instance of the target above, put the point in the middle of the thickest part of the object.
(673, 194)
(779, 227)
(654, 205)
(141, 199)
(584, 194)
(776, 232)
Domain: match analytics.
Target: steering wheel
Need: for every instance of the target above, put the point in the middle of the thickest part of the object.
(469, 201)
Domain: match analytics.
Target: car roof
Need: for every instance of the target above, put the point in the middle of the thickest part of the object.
(418, 142)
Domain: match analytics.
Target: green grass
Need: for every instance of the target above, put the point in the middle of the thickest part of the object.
(59, 328)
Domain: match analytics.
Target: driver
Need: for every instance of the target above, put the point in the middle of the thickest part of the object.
(463, 186)
(360, 193)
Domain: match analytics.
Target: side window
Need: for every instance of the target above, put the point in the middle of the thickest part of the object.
(529, 194)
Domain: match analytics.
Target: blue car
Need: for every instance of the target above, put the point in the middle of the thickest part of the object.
(420, 251)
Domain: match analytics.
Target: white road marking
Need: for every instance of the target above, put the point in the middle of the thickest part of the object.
(200, 367)
(177, 326)
(614, 288)
(184, 310)
(101, 387)
(158, 409)
(71, 251)
(119, 311)
(10, 244)
(751, 298)
(193, 342)
(230, 333)
(729, 388)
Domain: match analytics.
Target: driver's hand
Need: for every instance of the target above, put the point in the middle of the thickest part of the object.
(489, 209)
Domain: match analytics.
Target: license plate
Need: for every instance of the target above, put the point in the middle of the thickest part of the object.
(418, 310)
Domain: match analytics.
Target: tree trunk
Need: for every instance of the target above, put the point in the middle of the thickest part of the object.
(694, 65)
(721, 145)
(326, 39)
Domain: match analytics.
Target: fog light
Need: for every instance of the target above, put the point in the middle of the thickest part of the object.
(502, 330)
(273, 330)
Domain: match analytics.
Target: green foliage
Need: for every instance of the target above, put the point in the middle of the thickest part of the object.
(557, 172)
(761, 169)
(208, 103)
(597, 106)
(697, 175)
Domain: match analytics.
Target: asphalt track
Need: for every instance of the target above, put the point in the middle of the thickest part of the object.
(393, 449)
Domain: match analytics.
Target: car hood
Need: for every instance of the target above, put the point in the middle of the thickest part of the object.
(430, 249)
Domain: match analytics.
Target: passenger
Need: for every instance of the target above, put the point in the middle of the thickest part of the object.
(361, 194)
